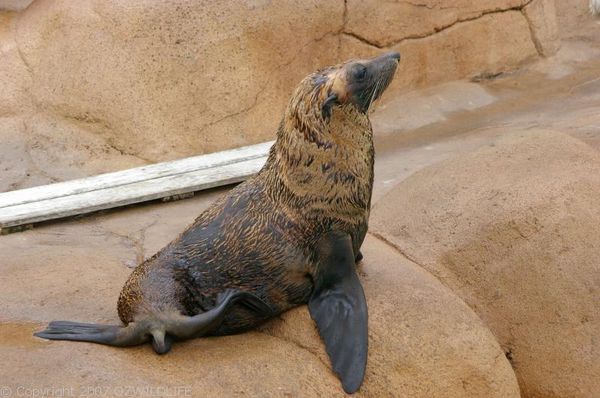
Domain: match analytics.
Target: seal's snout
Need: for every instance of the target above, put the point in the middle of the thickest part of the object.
(368, 79)
(387, 58)
(395, 55)
(385, 61)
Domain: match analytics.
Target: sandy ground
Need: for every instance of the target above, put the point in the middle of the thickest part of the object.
(74, 269)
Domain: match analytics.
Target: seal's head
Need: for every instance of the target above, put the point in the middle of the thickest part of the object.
(352, 85)
(357, 82)
(335, 101)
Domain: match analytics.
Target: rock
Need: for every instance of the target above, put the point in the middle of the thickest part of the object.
(423, 340)
(448, 56)
(513, 230)
(572, 15)
(75, 271)
(251, 364)
(169, 79)
(157, 81)
(541, 15)
(372, 19)
(14, 5)
(15, 78)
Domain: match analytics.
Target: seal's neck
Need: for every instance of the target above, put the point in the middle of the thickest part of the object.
(324, 167)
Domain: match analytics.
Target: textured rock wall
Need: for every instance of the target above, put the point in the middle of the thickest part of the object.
(125, 82)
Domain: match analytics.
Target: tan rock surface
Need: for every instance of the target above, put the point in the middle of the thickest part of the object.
(423, 340)
(163, 80)
(15, 79)
(371, 20)
(14, 4)
(252, 364)
(572, 16)
(448, 55)
(76, 270)
(153, 81)
(541, 15)
(513, 230)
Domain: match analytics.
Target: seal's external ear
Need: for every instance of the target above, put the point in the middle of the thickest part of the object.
(329, 102)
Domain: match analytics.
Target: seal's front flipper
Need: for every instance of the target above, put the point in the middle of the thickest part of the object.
(339, 308)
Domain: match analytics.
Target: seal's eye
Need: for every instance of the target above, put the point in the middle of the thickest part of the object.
(359, 72)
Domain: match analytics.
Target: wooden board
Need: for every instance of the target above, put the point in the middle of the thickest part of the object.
(105, 191)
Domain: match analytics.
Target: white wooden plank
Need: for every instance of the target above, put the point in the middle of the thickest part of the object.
(124, 194)
(138, 174)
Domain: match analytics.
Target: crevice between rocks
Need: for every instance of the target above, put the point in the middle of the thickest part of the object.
(399, 250)
(297, 344)
(437, 277)
(438, 29)
(536, 41)
(85, 121)
(136, 243)
(505, 348)
(342, 29)
(395, 247)
(15, 33)
(124, 152)
(267, 83)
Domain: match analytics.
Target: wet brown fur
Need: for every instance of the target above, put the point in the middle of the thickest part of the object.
(261, 236)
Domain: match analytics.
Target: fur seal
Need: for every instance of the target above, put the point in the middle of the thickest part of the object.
(290, 235)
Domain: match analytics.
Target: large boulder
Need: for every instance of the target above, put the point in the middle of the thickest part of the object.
(424, 340)
(513, 229)
(170, 78)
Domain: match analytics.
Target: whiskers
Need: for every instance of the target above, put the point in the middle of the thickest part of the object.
(380, 85)
(374, 93)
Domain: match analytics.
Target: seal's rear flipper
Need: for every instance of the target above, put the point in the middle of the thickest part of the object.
(339, 308)
(162, 329)
(202, 324)
(120, 336)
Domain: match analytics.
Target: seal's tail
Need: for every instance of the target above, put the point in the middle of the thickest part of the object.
(160, 329)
